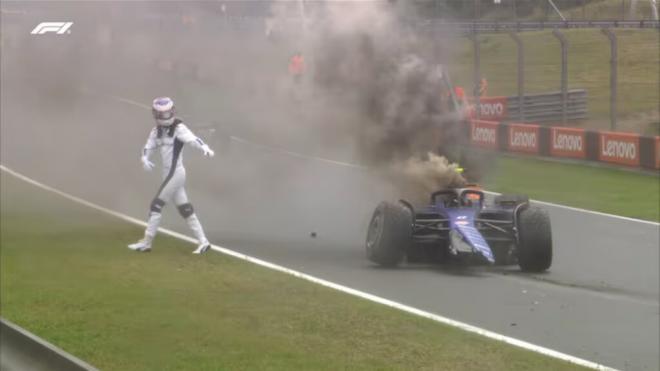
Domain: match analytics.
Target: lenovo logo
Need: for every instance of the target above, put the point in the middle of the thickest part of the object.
(567, 142)
(484, 135)
(619, 149)
(492, 109)
(523, 139)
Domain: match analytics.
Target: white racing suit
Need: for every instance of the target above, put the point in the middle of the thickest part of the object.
(170, 140)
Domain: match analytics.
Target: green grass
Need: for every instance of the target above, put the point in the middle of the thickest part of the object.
(603, 189)
(570, 9)
(588, 68)
(67, 277)
(606, 9)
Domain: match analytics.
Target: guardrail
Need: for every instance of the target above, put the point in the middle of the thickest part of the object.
(495, 26)
(625, 149)
(21, 350)
(537, 108)
(548, 107)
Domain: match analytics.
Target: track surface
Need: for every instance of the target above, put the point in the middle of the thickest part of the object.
(598, 302)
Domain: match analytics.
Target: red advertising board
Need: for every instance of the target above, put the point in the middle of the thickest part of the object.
(491, 108)
(523, 138)
(619, 148)
(657, 152)
(568, 142)
(484, 134)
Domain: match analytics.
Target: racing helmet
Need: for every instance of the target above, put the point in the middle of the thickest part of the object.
(162, 109)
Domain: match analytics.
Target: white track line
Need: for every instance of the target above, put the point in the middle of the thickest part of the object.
(298, 155)
(241, 140)
(377, 299)
(577, 209)
(345, 164)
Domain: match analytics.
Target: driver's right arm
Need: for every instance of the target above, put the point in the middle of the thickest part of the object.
(148, 149)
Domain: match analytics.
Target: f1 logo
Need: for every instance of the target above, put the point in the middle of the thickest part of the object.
(57, 27)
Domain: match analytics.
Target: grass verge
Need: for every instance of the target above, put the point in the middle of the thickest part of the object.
(588, 68)
(608, 190)
(67, 277)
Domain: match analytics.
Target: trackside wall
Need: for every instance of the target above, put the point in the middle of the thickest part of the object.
(625, 149)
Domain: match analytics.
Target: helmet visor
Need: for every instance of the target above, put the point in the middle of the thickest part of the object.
(162, 115)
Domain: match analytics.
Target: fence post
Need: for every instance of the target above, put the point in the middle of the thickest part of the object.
(564, 73)
(477, 75)
(623, 10)
(521, 76)
(613, 75)
(515, 10)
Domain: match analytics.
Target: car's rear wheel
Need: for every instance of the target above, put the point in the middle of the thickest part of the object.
(389, 234)
(534, 239)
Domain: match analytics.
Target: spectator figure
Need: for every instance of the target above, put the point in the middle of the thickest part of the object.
(483, 87)
(297, 67)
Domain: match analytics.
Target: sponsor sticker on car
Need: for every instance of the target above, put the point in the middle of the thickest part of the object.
(568, 142)
(523, 138)
(619, 148)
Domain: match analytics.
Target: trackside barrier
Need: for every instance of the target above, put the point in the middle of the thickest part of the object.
(22, 350)
(542, 108)
(657, 152)
(484, 134)
(568, 142)
(523, 138)
(619, 148)
(626, 149)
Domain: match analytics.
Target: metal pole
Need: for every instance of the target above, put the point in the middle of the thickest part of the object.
(521, 76)
(477, 75)
(613, 76)
(564, 73)
(301, 12)
(633, 9)
(515, 10)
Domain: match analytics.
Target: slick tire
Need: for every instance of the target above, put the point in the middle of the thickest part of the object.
(534, 240)
(389, 234)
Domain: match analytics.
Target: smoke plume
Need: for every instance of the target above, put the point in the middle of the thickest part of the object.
(387, 79)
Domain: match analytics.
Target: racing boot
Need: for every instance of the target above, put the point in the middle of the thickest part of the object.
(202, 248)
(144, 245)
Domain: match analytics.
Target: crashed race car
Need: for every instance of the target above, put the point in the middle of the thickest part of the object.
(459, 225)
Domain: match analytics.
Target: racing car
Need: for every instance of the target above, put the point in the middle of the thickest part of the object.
(459, 225)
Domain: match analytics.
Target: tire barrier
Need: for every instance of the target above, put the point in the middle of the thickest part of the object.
(625, 149)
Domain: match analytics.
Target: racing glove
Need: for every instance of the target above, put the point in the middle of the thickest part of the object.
(146, 164)
(207, 151)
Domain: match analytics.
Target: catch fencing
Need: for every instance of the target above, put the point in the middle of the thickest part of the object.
(499, 26)
(625, 149)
